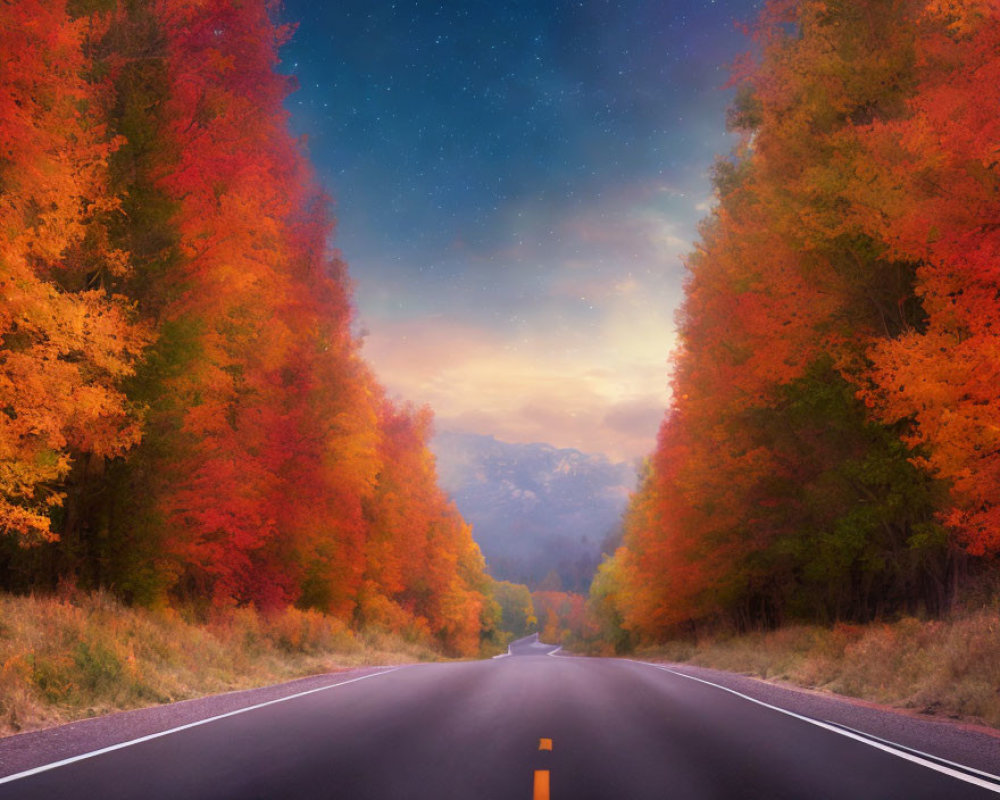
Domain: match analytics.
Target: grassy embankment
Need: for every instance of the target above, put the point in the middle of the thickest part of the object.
(63, 659)
(943, 667)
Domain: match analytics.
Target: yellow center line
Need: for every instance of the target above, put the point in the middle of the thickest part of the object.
(541, 784)
(545, 744)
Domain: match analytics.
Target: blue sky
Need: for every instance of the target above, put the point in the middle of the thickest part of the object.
(515, 184)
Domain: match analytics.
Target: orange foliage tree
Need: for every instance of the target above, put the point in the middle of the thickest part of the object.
(932, 194)
(562, 616)
(835, 389)
(422, 567)
(66, 343)
(271, 469)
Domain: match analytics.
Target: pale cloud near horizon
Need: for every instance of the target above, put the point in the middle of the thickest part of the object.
(582, 363)
(595, 401)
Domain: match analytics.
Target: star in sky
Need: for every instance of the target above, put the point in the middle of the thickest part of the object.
(515, 183)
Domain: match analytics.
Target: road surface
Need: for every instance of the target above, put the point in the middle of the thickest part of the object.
(531, 724)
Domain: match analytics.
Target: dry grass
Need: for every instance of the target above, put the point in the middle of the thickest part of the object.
(947, 667)
(82, 655)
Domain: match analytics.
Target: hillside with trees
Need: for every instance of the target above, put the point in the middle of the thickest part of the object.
(542, 515)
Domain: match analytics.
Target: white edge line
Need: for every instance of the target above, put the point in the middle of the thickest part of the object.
(121, 745)
(878, 745)
(553, 652)
(913, 750)
(504, 655)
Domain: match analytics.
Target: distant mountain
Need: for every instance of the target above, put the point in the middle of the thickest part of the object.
(535, 509)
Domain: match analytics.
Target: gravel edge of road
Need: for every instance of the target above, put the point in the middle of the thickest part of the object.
(975, 746)
(24, 751)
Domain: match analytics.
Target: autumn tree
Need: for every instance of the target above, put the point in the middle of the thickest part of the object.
(931, 193)
(516, 607)
(562, 616)
(168, 278)
(66, 342)
(775, 492)
(422, 566)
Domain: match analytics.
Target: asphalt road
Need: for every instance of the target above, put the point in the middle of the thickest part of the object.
(618, 730)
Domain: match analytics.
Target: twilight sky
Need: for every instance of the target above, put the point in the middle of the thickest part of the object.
(515, 182)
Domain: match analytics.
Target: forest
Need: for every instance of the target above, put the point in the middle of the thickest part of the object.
(186, 418)
(832, 452)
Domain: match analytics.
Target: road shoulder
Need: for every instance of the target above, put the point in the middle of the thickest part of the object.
(26, 751)
(975, 746)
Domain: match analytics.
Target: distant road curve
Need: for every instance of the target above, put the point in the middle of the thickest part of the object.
(530, 646)
(528, 725)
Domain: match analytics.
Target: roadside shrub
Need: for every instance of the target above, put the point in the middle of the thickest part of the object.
(76, 655)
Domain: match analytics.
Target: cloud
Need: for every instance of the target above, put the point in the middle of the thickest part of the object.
(589, 398)
(635, 419)
(565, 341)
